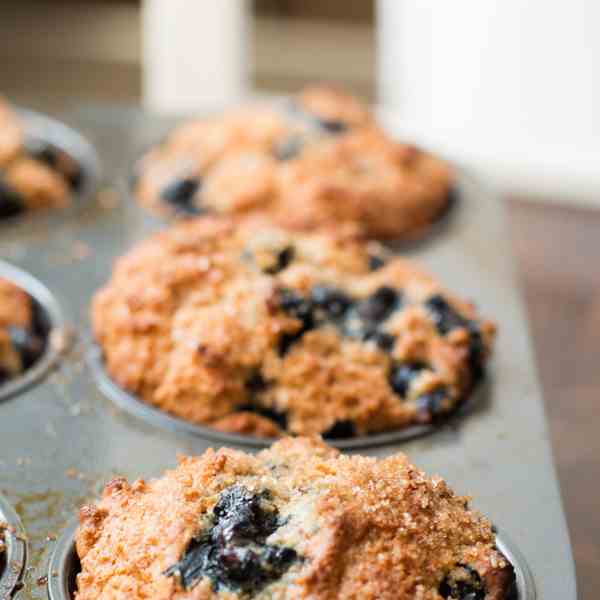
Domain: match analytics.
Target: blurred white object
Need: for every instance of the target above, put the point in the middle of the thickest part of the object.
(511, 88)
(195, 53)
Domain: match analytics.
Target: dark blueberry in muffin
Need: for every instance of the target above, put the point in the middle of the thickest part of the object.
(288, 148)
(284, 258)
(340, 430)
(380, 305)
(332, 125)
(333, 301)
(43, 151)
(232, 553)
(476, 351)
(180, 194)
(384, 341)
(11, 203)
(256, 383)
(446, 319)
(57, 160)
(279, 418)
(28, 345)
(375, 262)
(297, 306)
(462, 583)
(431, 403)
(75, 178)
(402, 375)
(444, 316)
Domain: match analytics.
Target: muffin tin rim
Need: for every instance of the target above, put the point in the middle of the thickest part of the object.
(64, 552)
(56, 321)
(16, 550)
(76, 145)
(136, 407)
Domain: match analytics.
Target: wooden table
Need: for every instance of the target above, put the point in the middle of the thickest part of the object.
(558, 254)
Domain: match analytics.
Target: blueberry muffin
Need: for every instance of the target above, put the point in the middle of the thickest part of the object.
(33, 174)
(255, 329)
(321, 159)
(298, 520)
(21, 333)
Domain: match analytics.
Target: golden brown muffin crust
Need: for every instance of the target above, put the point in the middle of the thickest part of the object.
(321, 161)
(220, 323)
(358, 527)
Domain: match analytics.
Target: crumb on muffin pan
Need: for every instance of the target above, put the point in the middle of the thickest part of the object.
(32, 330)
(298, 520)
(251, 329)
(43, 164)
(318, 158)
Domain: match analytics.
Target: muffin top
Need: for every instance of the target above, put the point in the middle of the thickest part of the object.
(298, 520)
(318, 159)
(21, 342)
(251, 328)
(34, 174)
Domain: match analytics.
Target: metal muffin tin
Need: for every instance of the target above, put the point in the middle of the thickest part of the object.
(64, 566)
(12, 561)
(53, 322)
(62, 439)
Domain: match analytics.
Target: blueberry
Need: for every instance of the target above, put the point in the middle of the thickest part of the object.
(44, 152)
(333, 126)
(300, 308)
(256, 383)
(375, 262)
(295, 305)
(75, 178)
(402, 375)
(340, 430)
(431, 403)
(51, 156)
(284, 258)
(232, 553)
(288, 148)
(11, 203)
(28, 345)
(180, 194)
(334, 302)
(446, 319)
(462, 583)
(241, 517)
(379, 305)
(444, 316)
(286, 341)
(279, 418)
(384, 341)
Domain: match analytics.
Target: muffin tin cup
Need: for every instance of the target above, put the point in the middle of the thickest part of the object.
(138, 408)
(12, 564)
(54, 323)
(38, 127)
(64, 566)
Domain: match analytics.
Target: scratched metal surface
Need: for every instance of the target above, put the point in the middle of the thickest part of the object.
(61, 439)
